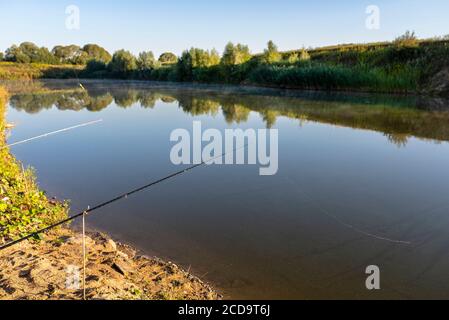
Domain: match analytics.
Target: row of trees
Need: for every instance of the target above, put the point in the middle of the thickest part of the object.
(122, 60)
(124, 63)
(195, 58)
(398, 67)
(28, 52)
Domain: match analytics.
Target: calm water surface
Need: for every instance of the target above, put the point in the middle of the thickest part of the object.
(354, 171)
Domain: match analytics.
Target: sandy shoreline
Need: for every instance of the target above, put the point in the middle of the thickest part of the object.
(52, 269)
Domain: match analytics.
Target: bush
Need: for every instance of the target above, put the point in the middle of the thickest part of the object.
(408, 39)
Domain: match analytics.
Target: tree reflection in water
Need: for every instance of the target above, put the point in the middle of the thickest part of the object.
(397, 118)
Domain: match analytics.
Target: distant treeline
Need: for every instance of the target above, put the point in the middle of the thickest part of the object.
(404, 65)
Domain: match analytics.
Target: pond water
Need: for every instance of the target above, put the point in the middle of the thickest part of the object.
(363, 180)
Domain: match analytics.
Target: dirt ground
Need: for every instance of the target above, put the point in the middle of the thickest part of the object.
(52, 269)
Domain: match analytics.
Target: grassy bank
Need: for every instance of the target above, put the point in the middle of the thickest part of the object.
(404, 66)
(23, 207)
(29, 71)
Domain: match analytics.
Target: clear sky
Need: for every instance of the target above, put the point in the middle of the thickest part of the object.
(175, 25)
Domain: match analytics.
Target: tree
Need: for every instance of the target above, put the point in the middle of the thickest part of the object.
(1, 56)
(168, 58)
(28, 52)
(14, 54)
(95, 52)
(36, 54)
(70, 54)
(146, 61)
(203, 58)
(184, 67)
(214, 58)
(408, 39)
(123, 62)
(234, 55)
(271, 54)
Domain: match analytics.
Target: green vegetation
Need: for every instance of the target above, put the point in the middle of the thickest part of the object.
(168, 58)
(271, 54)
(405, 65)
(29, 71)
(23, 207)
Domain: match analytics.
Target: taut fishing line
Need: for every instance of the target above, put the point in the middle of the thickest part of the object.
(52, 133)
(122, 196)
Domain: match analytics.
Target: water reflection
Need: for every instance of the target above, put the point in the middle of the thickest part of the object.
(398, 118)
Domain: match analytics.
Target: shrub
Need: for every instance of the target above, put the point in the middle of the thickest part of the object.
(408, 39)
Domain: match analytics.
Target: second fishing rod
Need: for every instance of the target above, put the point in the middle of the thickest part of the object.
(122, 196)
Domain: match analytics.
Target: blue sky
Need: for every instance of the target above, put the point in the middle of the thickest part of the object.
(175, 25)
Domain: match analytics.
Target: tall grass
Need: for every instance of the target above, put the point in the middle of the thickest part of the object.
(335, 77)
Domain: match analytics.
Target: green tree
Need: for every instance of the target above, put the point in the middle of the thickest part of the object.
(203, 58)
(123, 62)
(271, 54)
(168, 58)
(146, 61)
(95, 52)
(70, 54)
(1, 56)
(184, 67)
(234, 55)
(29, 52)
(214, 58)
(14, 54)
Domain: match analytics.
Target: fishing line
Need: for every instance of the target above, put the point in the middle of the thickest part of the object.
(122, 196)
(346, 224)
(52, 133)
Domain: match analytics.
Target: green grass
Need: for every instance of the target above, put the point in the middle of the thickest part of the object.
(29, 71)
(23, 207)
(320, 76)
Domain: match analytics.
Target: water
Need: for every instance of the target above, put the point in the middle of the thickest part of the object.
(354, 171)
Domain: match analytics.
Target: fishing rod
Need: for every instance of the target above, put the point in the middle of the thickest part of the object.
(52, 133)
(122, 196)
